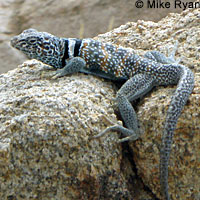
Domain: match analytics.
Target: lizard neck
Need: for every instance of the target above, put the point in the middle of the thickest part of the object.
(71, 49)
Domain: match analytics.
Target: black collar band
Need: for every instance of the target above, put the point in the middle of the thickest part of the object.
(77, 47)
(66, 54)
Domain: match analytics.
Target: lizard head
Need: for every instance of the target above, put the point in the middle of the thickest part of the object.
(41, 46)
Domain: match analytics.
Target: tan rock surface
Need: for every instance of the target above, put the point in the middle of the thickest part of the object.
(45, 125)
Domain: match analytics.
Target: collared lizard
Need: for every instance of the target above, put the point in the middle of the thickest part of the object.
(141, 74)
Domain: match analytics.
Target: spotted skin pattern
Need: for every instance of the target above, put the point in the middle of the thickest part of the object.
(141, 74)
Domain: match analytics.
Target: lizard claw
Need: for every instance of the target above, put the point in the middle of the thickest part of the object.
(47, 74)
(129, 138)
(110, 128)
(130, 134)
(53, 75)
(47, 67)
(57, 74)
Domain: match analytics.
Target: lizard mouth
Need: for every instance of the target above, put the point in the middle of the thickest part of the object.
(18, 44)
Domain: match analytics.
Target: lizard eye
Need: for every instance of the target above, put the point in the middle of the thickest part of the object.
(33, 41)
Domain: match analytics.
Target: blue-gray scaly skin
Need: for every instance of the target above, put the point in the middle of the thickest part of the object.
(70, 55)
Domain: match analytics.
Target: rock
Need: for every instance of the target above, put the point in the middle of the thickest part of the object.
(46, 125)
(45, 130)
(45, 151)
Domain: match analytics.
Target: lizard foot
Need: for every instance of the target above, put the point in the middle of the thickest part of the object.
(171, 54)
(129, 134)
(53, 75)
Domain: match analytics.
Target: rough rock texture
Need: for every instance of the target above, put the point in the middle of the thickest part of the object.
(68, 18)
(45, 127)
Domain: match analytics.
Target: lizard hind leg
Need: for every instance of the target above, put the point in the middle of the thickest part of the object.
(134, 88)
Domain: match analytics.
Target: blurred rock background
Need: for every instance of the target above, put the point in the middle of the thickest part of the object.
(66, 18)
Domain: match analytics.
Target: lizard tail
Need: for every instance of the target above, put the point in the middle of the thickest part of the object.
(182, 93)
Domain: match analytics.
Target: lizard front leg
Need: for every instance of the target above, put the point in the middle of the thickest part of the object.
(134, 88)
(73, 65)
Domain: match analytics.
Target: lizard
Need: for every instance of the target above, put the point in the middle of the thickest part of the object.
(117, 63)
